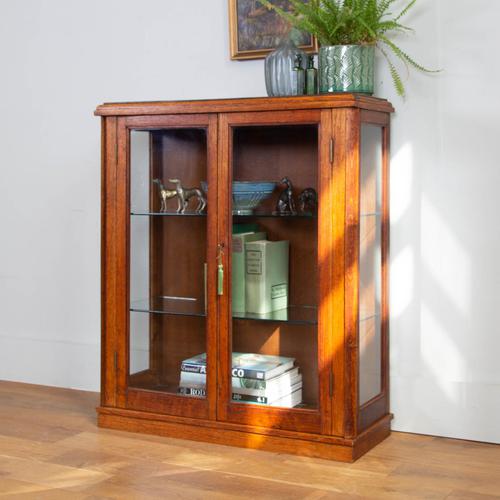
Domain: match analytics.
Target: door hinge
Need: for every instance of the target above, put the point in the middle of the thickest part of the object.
(331, 384)
(332, 150)
(115, 361)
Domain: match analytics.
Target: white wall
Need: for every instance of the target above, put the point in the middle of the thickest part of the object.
(445, 239)
(61, 58)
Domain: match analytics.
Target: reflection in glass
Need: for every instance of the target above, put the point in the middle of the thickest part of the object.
(284, 340)
(167, 261)
(370, 264)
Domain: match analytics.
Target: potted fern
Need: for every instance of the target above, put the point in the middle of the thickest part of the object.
(349, 32)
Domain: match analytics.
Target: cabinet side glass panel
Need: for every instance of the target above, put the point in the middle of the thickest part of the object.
(370, 264)
(274, 266)
(167, 342)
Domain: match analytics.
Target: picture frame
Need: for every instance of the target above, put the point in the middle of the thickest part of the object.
(255, 30)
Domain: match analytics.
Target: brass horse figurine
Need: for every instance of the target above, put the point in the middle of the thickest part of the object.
(165, 194)
(185, 194)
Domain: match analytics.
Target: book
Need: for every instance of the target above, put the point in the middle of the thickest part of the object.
(245, 228)
(267, 388)
(259, 366)
(275, 391)
(289, 400)
(266, 276)
(196, 364)
(196, 392)
(239, 266)
(244, 365)
(267, 400)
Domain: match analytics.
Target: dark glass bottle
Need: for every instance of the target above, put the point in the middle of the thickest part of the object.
(298, 77)
(311, 77)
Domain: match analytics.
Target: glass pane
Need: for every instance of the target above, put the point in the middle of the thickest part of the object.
(370, 264)
(274, 266)
(167, 261)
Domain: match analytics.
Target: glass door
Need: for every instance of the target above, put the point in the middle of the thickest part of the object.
(373, 325)
(275, 368)
(172, 216)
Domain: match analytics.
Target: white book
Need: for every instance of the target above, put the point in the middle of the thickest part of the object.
(238, 267)
(270, 394)
(289, 401)
(266, 276)
(274, 393)
(245, 365)
(259, 385)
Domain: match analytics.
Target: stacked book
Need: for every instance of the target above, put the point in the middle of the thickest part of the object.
(256, 378)
(259, 272)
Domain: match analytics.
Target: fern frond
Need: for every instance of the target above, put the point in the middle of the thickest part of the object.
(405, 10)
(396, 79)
(405, 57)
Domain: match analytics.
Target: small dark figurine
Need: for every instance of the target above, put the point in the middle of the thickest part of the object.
(308, 199)
(185, 194)
(286, 204)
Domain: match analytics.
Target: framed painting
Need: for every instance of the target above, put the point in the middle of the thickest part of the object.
(256, 30)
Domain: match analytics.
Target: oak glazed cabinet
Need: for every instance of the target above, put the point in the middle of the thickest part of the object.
(167, 276)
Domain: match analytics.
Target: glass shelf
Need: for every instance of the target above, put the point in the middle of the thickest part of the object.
(170, 213)
(297, 315)
(186, 306)
(173, 213)
(371, 214)
(277, 216)
(367, 317)
(177, 306)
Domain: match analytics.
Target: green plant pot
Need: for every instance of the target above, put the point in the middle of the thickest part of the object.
(346, 68)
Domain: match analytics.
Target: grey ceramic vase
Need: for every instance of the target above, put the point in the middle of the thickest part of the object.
(280, 77)
(346, 68)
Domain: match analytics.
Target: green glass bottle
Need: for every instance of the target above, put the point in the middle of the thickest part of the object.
(311, 77)
(298, 77)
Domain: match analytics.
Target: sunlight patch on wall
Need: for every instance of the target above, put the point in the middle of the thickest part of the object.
(445, 257)
(401, 181)
(441, 354)
(402, 280)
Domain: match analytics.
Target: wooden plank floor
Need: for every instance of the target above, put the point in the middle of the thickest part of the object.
(50, 448)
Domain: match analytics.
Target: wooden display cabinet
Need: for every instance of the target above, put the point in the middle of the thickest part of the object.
(166, 276)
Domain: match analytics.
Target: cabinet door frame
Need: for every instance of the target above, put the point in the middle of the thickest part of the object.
(359, 418)
(116, 269)
(301, 420)
(379, 406)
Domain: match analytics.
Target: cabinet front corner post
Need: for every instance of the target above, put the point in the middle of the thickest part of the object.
(122, 261)
(212, 239)
(223, 248)
(108, 262)
(351, 287)
(327, 320)
(339, 118)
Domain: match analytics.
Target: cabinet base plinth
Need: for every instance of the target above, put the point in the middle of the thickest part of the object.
(275, 440)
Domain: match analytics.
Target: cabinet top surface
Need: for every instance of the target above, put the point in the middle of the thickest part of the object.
(342, 100)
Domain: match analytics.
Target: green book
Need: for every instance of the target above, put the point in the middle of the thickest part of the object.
(266, 276)
(238, 268)
(245, 228)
